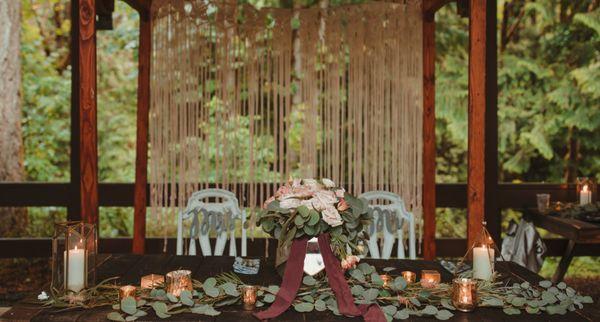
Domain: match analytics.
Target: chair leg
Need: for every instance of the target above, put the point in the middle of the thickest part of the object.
(179, 234)
(244, 246)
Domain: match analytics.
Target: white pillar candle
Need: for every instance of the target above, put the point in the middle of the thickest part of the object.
(585, 195)
(483, 258)
(75, 263)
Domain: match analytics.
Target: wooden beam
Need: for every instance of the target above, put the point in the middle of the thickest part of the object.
(141, 150)
(74, 206)
(477, 115)
(429, 136)
(139, 5)
(88, 141)
(431, 6)
(491, 209)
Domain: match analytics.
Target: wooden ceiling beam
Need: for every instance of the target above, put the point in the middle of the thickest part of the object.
(139, 5)
(431, 6)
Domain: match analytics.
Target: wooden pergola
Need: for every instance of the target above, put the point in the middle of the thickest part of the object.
(482, 160)
(483, 196)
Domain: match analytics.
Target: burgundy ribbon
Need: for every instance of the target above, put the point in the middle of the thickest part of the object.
(292, 278)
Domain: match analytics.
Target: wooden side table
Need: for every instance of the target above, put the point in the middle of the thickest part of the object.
(576, 231)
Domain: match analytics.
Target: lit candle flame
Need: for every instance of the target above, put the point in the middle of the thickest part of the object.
(585, 188)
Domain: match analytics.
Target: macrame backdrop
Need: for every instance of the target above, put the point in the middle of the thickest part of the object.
(244, 98)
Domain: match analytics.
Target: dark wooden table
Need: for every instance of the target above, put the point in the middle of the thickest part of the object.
(131, 267)
(576, 231)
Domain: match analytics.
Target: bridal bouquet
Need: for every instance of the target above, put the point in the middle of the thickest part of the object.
(309, 208)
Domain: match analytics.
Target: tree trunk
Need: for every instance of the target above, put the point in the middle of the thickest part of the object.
(12, 220)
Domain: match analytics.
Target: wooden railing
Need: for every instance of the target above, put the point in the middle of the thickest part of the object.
(515, 196)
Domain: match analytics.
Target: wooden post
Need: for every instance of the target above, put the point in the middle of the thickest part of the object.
(482, 160)
(141, 150)
(74, 208)
(492, 211)
(429, 136)
(88, 149)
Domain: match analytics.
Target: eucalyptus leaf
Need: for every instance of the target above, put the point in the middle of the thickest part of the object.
(429, 310)
(556, 309)
(230, 289)
(399, 284)
(273, 289)
(320, 305)
(304, 307)
(371, 294)
(357, 274)
(518, 301)
(365, 268)
(389, 310)
(376, 279)
(545, 284)
(402, 314)
(269, 298)
(532, 310)
(115, 316)
(511, 311)
(388, 269)
(493, 301)
(443, 315)
(160, 309)
(172, 298)
(447, 304)
(308, 298)
(140, 313)
(129, 305)
(309, 280)
(549, 298)
(357, 289)
(561, 285)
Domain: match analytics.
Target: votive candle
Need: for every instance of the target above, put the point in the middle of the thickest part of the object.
(127, 291)
(430, 278)
(386, 279)
(585, 195)
(409, 277)
(464, 294)
(178, 281)
(152, 281)
(249, 297)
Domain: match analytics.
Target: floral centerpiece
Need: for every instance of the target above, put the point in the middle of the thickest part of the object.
(308, 208)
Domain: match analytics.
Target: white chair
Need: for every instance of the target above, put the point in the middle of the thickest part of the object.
(218, 216)
(387, 218)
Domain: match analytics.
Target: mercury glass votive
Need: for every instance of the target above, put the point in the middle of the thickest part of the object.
(249, 296)
(178, 281)
(152, 281)
(430, 278)
(387, 279)
(464, 294)
(127, 291)
(409, 277)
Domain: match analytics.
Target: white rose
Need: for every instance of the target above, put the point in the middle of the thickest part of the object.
(328, 183)
(340, 193)
(289, 203)
(326, 197)
(307, 203)
(332, 217)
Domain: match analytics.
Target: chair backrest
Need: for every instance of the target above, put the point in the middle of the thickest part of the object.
(218, 215)
(389, 218)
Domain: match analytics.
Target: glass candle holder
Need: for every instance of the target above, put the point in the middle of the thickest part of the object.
(178, 281)
(249, 296)
(152, 281)
(74, 249)
(387, 279)
(430, 278)
(586, 190)
(464, 294)
(409, 277)
(127, 291)
(543, 202)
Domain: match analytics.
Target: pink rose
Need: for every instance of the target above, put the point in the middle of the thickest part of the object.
(289, 203)
(350, 262)
(342, 205)
(331, 216)
(283, 191)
